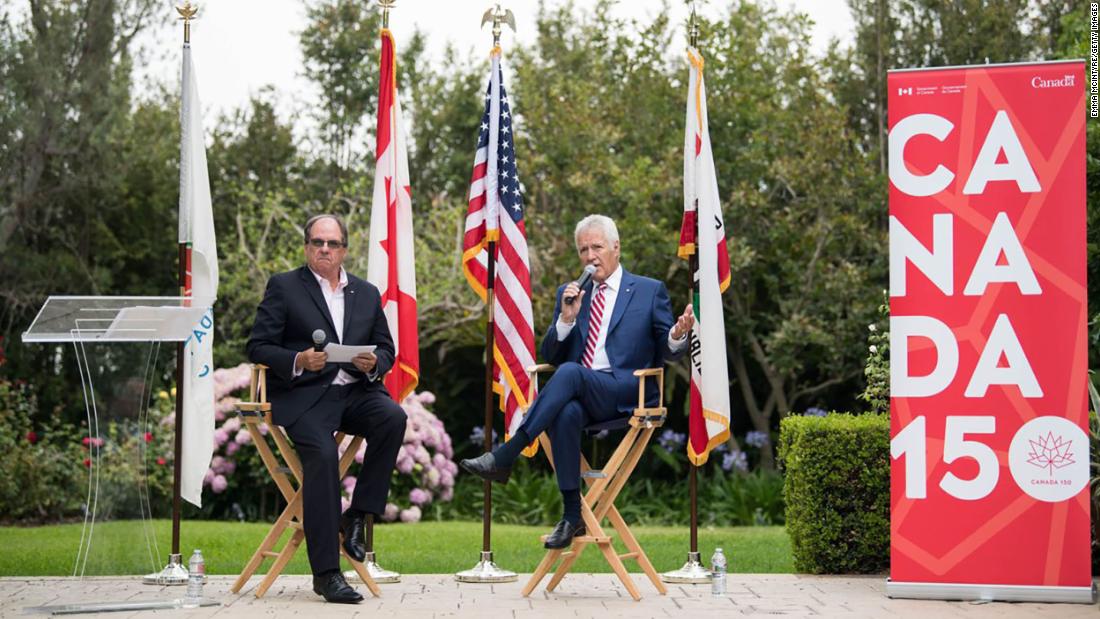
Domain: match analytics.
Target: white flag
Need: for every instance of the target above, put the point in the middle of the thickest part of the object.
(196, 219)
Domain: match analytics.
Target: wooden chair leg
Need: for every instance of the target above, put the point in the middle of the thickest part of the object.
(284, 556)
(269, 541)
(620, 570)
(635, 548)
(540, 571)
(363, 574)
(566, 564)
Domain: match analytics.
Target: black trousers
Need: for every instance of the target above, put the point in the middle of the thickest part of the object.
(348, 408)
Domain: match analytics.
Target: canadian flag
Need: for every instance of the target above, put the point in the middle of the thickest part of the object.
(391, 267)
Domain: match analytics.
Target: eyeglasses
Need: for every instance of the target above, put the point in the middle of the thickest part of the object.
(319, 243)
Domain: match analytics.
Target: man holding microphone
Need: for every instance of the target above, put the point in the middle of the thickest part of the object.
(312, 398)
(601, 333)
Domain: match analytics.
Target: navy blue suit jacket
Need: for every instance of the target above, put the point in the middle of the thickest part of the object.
(292, 308)
(637, 337)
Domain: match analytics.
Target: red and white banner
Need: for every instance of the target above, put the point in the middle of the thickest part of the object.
(988, 333)
(390, 263)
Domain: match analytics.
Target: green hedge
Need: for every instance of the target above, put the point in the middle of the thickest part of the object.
(837, 492)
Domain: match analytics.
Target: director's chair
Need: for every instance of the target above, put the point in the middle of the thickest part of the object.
(598, 503)
(287, 474)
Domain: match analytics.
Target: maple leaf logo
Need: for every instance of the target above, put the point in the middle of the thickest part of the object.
(1050, 452)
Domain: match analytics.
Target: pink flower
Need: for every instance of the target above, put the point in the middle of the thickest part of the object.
(232, 424)
(32, 438)
(220, 437)
(404, 464)
(231, 448)
(161, 461)
(447, 494)
(345, 503)
(243, 437)
(148, 437)
(219, 484)
(391, 512)
(208, 478)
(419, 496)
(427, 398)
(411, 514)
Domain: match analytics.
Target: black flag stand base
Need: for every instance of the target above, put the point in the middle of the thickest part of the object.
(486, 571)
(173, 574)
(693, 572)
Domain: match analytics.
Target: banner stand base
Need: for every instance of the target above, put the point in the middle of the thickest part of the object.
(990, 593)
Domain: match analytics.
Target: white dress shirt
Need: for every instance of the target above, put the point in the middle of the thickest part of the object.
(610, 295)
(334, 299)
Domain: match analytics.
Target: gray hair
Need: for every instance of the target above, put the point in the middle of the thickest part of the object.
(317, 218)
(603, 222)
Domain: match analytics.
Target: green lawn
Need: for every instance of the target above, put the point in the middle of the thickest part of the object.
(422, 548)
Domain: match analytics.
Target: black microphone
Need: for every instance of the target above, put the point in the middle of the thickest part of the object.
(582, 281)
(319, 340)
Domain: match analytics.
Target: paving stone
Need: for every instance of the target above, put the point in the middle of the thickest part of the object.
(599, 596)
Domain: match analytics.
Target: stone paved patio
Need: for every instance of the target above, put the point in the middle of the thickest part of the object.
(580, 595)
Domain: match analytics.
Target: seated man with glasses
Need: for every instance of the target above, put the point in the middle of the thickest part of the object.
(312, 398)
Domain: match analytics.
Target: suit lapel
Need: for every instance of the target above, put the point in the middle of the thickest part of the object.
(626, 293)
(350, 294)
(314, 289)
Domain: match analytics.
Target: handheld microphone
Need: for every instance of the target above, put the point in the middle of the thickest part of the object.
(582, 281)
(319, 340)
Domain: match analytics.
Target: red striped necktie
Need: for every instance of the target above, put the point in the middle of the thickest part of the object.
(594, 321)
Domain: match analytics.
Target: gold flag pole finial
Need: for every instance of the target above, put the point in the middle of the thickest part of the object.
(498, 16)
(386, 6)
(187, 13)
(693, 28)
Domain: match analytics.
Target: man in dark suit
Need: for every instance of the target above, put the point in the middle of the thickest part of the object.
(312, 398)
(600, 335)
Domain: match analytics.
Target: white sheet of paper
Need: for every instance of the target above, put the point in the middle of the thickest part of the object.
(339, 353)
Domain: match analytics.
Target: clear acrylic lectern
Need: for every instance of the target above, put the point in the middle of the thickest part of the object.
(89, 323)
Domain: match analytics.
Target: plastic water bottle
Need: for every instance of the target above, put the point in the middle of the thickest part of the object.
(196, 574)
(718, 573)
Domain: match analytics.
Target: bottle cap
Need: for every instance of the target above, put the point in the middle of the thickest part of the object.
(719, 549)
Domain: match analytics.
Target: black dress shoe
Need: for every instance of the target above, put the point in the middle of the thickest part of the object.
(335, 589)
(485, 467)
(354, 539)
(563, 534)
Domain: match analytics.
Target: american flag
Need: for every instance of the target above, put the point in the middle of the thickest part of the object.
(496, 214)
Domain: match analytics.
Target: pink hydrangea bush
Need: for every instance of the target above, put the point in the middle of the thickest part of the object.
(425, 470)
(229, 435)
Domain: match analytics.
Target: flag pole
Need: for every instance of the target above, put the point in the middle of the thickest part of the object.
(486, 570)
(380, 574)
(175, 573)
(693, 571)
